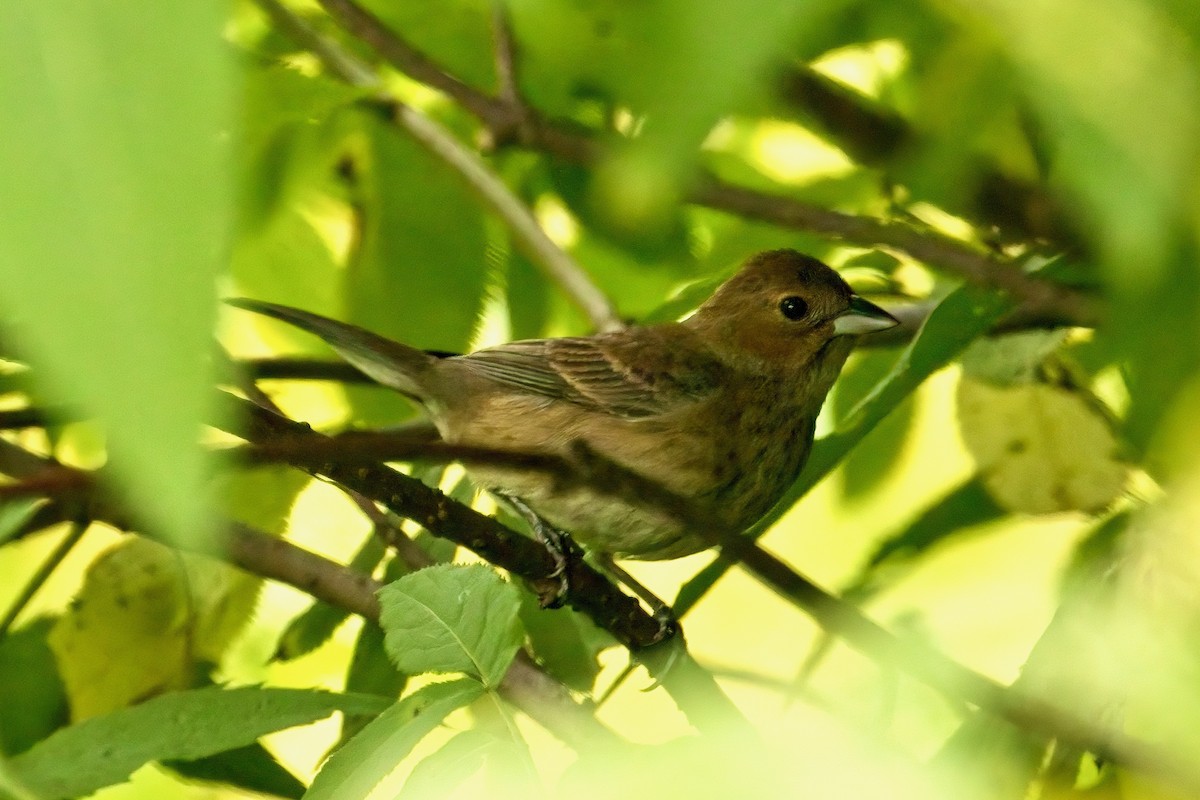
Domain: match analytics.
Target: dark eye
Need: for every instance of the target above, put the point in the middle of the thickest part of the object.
(793, 307)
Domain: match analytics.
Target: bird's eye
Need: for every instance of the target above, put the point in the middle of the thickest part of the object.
(793, 307)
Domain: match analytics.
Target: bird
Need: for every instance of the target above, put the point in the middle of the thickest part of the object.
(719, 408)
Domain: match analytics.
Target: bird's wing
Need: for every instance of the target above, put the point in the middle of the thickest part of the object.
(632, 374)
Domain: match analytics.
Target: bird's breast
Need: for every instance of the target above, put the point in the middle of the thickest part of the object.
(735, 455)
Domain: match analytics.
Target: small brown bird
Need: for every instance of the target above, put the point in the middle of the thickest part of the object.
(719, 407)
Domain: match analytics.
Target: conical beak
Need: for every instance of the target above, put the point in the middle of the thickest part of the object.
(862, 316)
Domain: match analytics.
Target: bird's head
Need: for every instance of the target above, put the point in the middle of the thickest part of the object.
(784, 310)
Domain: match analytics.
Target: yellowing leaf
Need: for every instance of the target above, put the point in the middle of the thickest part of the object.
(144, 616)
(1040, 448)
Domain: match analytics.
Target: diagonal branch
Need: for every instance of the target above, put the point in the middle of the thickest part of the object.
(525, 684)
(528, 235)
(592, 594)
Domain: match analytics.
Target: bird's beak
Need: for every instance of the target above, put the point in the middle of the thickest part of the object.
(862, 316)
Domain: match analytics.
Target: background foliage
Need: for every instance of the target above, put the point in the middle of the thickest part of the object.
(1015, 486)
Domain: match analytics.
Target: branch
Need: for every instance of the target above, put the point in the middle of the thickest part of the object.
(874, 135)
(506, 56)
(528, 235)
(542, 134)
(525, 684)
(592, 594)
(1037, 295)
(832, 613)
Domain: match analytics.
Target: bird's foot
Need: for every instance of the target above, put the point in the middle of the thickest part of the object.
(558, 543)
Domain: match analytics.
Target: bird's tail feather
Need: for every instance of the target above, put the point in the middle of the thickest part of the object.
(395, 365)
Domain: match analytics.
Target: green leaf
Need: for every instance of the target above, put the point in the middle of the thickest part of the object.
(251, 768)
(288, 137)
(452, 618)
(693, 61)
(960, 318)
(184, 725)
(359, 765)
(439, 773)
(287, 262)
(33, 703)
(114, 210)
(868, 466)
(261, 497)
(964, 506)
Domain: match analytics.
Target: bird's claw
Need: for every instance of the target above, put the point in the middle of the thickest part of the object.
(560, 546)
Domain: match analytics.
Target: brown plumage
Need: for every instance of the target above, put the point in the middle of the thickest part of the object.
(719, 407)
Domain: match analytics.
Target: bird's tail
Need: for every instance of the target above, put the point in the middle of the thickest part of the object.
(395, 365)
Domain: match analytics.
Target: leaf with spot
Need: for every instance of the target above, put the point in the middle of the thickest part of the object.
(145, 616)
(1041, 448)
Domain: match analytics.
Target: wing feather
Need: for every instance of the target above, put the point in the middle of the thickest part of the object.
(632, 374)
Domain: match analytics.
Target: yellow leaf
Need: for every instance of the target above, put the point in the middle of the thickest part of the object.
(1040, 448)
(144, 616)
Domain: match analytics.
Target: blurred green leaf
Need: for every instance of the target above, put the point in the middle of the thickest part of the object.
(250, 767)
(964, 506)
(289, 137)
(868, 466)
(1041, 448)
(113, 213)
(1013, 358)
(261, 497)
(359, 765)
(371, 672)
(439, 773)
(694, 62)
(420, 270)
(33, 703)
(181, 725)
(455, 33)
(452, 618)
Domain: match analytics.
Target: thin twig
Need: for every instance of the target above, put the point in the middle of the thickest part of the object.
(506, 56)
(42, 574)
(528, 235)
(536, 132)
